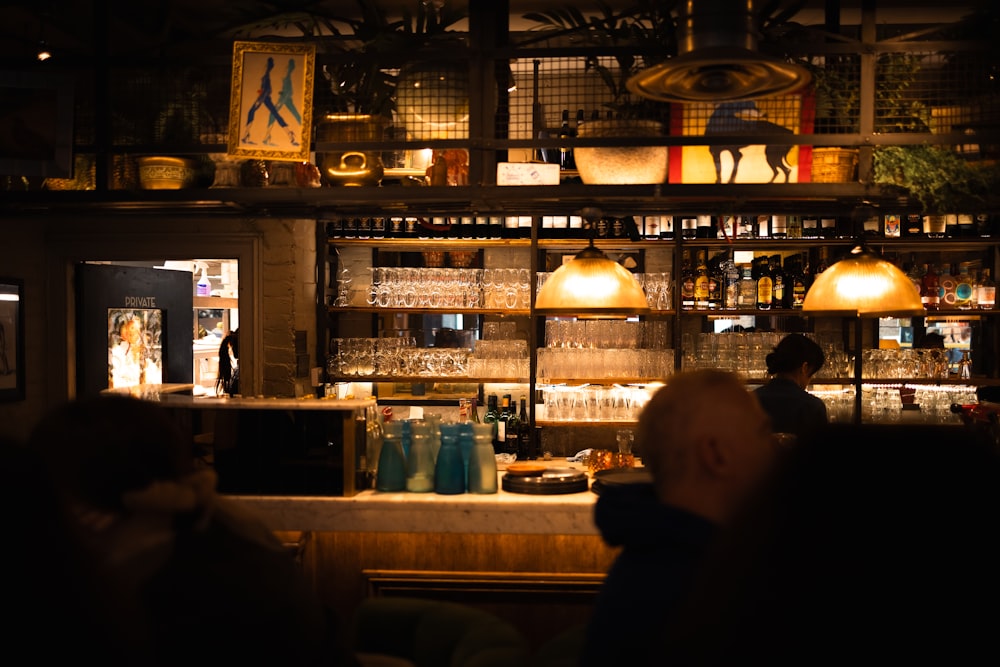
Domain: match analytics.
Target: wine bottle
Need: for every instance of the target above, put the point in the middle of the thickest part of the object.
(525, 443)
(566, 160)
(687, 281)
(765, 285)
(987, 291)
(500, 445)
(512, 439)
(701, 282)
(491, 417)
(930, 293)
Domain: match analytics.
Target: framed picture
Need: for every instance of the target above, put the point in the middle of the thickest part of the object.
(36, 124)
(11, 339)
(270, 102)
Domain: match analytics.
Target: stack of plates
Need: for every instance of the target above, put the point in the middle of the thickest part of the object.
(537, 479)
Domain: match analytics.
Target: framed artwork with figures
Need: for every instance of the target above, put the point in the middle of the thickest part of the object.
(11, 339)
(270, 102)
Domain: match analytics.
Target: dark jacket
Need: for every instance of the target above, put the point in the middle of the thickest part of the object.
(662, 547)
(792, 409)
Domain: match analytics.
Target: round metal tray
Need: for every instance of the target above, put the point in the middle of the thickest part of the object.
(551, 481)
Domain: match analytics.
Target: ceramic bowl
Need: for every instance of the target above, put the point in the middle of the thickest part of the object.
(165, 173)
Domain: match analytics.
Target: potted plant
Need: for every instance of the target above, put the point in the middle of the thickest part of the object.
(937, 177)
(642, 35)
(837, 85)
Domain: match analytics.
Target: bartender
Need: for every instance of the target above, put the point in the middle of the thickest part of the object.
(791, 365)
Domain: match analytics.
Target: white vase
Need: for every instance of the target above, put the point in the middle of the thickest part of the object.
(621, 165)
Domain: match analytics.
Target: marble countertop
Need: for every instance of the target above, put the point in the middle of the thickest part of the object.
(498, 513)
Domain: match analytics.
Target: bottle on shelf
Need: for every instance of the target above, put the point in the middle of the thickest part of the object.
(824, 262)
(947, 282)
(687, 281)
(765, 284)
(746, 227)
(502, 421)
(987, 291)
(796, 277)
(701, 281)
(951, 225)
(966, 227)
(913, 225)
(474, 410)
(810, 227)
(491, 417)
(963, 287)
(525, 448)
(794, 225)
(730, 283)
(828, 228)
(566, 131)
(930, 294)
(779, 226)
(779, 285)
(716, 281)
(704, 228)
(747, 299)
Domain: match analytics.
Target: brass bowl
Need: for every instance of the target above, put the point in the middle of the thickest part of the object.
(165, 173)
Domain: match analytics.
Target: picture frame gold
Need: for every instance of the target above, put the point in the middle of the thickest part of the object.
(270, 101)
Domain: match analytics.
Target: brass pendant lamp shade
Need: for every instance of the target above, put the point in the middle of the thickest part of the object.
(863, 285)
(591, 285)
(717, 59)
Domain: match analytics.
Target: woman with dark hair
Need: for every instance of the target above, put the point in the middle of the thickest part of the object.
(229, 365)
(792, 364)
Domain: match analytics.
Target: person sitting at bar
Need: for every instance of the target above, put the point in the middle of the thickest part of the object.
(871, 544)
(707, 444)
(791, 365)
(214, 584)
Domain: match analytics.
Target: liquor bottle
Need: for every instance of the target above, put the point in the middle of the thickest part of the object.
(566, 159)
(687, 281)
(746, 227)
(987, 291)
(491, 417)
(779, 284)
(824, 262)
(810, 227)
(794, 226)
(703, 227)
(796, 278)
(525, 443)
(779, 226)
(892, 225)
(731, 283)
(502, 421)
(914, 273)
(913, 225)
(930, 294)
(967, 226)
(828, 228)
(963, 287)
(763, 226)
(716, 280)
(974, 279)
(701, 281)
(947, 282)
(463, 410)
(747, 299)
(765, 284)
(474, 411)
(951, 225)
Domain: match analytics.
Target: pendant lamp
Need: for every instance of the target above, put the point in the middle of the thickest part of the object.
(591, 285)
(863, 285)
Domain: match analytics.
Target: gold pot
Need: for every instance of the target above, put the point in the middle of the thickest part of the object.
(350, 167)
(160, 172)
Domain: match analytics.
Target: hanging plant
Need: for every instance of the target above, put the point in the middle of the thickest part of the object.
(937, 177)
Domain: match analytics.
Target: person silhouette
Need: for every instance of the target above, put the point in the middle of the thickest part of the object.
(264, 98)
(286, 100)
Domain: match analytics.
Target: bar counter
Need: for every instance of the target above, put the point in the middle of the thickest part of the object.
(497, 513)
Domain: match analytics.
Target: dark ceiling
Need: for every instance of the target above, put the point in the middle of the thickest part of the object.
(152, 28)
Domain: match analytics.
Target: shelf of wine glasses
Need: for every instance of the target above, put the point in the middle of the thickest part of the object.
(512, 312)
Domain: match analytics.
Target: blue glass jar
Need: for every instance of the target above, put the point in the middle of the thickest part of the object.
(449, 470)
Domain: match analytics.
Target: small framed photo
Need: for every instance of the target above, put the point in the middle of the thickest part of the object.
(11, 339)
(270, 102)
